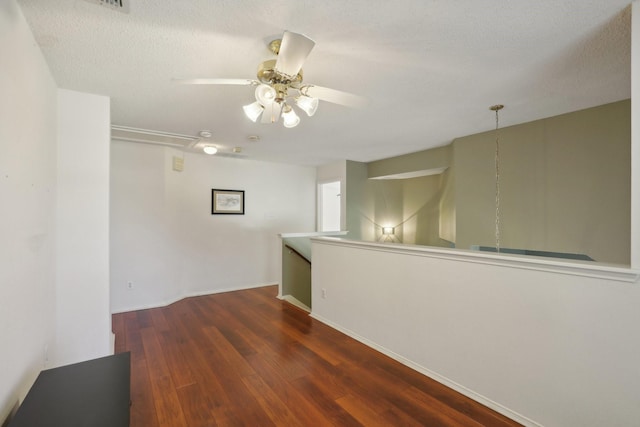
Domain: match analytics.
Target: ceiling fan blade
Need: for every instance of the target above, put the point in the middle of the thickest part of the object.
(294, 49)
(240, 82)
(271, 113)
(334, 96)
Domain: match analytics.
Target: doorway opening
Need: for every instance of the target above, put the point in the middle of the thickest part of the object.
(329, 206)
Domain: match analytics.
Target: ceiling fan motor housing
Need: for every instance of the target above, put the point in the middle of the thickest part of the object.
(267, 74)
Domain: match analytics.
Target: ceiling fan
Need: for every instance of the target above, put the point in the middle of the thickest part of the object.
(279, 84)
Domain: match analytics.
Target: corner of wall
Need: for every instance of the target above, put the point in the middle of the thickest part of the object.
(635, 134)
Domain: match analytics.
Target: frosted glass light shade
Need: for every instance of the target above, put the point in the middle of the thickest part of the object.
(307, 104)
(289, 117)
(265, 94)
(253, 110)
(210, 150)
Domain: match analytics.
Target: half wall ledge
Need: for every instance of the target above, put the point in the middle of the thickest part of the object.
(573, 267)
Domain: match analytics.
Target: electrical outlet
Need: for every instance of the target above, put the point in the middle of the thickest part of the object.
(130, 285)
(324, 293)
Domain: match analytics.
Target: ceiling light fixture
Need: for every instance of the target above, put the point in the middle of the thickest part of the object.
(210, 150)
(307, 104)
(280, 82)
(253, 110)
(265, 94)
(289, 117)
(273, 99)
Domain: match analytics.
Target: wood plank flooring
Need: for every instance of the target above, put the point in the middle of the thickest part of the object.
(246, 358)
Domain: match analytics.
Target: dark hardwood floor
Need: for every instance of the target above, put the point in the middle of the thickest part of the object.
(246, 358)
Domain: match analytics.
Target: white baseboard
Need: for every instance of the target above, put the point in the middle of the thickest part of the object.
(159, 304)
(433, 375)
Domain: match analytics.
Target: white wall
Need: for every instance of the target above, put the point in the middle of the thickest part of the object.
(82, 243)
(553, 344)
(27, 207)
(54, 159)
(165, 241)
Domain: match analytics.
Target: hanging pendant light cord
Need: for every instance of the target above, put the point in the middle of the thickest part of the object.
(497, 108)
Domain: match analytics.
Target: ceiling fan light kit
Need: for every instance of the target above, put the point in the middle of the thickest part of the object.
(265, 94)
(279, 84)
(276, 87)
(289, 117)
(307, 104)
(253, 110)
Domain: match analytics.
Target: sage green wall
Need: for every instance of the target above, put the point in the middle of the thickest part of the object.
(435, 158)
(565, 185)
(411, 206)
(447, 225)
(388, 208)
(421, 210)
(296, 276)
(359, 202)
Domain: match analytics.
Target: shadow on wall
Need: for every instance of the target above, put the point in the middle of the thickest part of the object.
(12, 414)
(406, 210)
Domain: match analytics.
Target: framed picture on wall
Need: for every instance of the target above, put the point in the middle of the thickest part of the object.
(227, 202)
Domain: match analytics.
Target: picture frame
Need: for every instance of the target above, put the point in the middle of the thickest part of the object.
(227, 202)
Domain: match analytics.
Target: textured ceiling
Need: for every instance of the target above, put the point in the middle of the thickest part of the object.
(430, 68)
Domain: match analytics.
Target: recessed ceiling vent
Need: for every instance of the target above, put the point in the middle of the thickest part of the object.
(147, 136)
(121, 5)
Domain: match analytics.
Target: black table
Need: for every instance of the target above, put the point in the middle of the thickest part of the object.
(95, 393)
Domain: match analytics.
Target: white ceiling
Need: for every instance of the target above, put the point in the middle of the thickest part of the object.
(430, 68)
